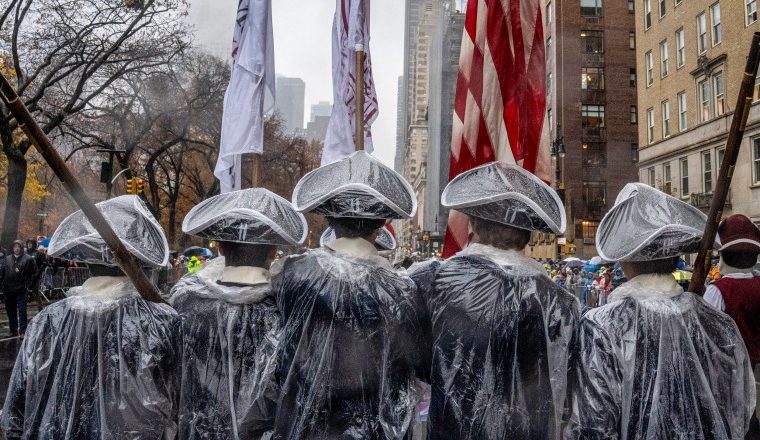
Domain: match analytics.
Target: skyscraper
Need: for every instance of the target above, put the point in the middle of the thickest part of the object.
(290, 103)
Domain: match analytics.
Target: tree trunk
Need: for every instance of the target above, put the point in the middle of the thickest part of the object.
(16, 182)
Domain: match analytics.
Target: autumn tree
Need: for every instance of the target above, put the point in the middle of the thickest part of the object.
(65, 54)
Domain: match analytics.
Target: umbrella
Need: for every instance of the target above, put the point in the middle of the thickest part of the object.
(196, 251)
(597, 261)
(682, 275)
(569, 259)
(591, 267)
(574, 263)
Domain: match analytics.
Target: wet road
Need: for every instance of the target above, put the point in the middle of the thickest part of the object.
(8, 350)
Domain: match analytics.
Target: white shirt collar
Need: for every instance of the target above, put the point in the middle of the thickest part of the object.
(244, 275)
(740, 275)
(104, 286)
(353, 247)
(502, 257)
(647, 287)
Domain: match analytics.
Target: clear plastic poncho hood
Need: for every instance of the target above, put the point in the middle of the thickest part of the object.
(657, 363)
(506, 194)
(357, 186)
(385, 240)
(230, 335)
(502, 333)
(350, 347)
(647, 224)
(76, 239)
(253, 215)
(97, 365)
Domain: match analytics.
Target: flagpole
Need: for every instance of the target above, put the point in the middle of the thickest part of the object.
(359, 97)
(257, 171)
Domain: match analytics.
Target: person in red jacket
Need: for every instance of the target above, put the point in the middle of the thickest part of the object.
(737, 292)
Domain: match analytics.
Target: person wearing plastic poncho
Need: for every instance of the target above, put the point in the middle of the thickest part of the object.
(102, 363)
(501, 329)
(229, 316)
(657, 362)
(349, 349)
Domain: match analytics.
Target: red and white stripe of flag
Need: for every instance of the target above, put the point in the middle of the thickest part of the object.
(500, 104)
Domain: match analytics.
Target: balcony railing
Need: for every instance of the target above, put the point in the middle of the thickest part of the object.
(703, 200)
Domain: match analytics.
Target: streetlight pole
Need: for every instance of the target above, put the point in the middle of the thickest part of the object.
(106, 169)
(558, 154)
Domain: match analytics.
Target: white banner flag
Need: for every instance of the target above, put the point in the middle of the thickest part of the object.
(350, 27)
(250, 93)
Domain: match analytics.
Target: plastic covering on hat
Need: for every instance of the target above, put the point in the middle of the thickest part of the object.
(647, 224)
(657, 363)
(76, 239)
(357, 186)
(385, 240)
(506, 194)
(229, 340)
(102, 363)
(253, 215)
(502, 337)
(350, 348)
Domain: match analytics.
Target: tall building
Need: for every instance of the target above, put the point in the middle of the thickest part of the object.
(411, 20)
(398, 163)
(290, 102)
(691, 68)
(322, 108)
(444, 68)
(591, 111)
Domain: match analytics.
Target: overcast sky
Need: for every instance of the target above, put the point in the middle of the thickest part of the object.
(302, 38)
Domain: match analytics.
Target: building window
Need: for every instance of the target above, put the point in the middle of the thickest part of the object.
(592, 41)
(592, 78)
(634, 115)
(684, 176)
(589, 231)
(678, 2)
(651, 180)
(683, 122)
(756, 160)
(549, 118)
(647, 14)
(634, 153)
(662, 8)
(594, 195)
(701, 33)
(751, 11)
(667, 181)
(721, 154)
(664, 58)
(549, 13)
(631, 6)
(632, 40)
(665, 119)
(549, 83)
(680, 48)
(756, 94)
(591, 8)
(633, 78)
(594, 154)
(719, 91)
(717, 31)
(650, 125)
(592, 115)
(704, 100)
(650, 68)
(707, 171)
(549, 48)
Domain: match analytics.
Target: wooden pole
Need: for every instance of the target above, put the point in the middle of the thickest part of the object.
(733, 143)
(256, 174)
(35, 135)
(359, 97)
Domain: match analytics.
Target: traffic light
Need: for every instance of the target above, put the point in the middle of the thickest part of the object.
(135, 186)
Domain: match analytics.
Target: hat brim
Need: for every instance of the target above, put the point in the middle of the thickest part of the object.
(741, 244)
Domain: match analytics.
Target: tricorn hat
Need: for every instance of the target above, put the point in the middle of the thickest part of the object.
(76, 239)
(385, 239)
(506, 194)
(255, 216)
(737, 233)
(646, 224)
(357, 186)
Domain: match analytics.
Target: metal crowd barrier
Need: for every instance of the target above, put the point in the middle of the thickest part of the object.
(56, 281)
(589, 296)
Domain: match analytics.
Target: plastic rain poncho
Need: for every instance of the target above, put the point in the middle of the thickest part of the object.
(384, 241)
(101, 364)
(656, 364)
(230, 335)
(349, 349)
(502, 334)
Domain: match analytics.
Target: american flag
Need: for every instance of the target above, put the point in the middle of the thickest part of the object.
(350, 27)
(500, 104)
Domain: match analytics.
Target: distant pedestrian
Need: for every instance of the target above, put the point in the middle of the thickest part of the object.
(17, 279)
